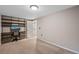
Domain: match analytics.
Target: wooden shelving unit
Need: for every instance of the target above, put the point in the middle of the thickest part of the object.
(6, 22)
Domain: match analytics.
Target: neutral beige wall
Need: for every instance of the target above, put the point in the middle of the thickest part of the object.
(61, 28)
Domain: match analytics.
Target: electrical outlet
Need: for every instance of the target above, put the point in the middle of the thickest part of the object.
(41, 35)
(39, 28)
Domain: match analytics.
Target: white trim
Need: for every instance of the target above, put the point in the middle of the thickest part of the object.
(60, 46)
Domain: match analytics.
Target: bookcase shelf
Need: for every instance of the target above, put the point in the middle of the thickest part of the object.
(6, 23)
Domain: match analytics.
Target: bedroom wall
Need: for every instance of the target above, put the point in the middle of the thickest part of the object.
(61, 28)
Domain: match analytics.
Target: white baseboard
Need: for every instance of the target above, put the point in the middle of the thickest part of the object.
(60, 46)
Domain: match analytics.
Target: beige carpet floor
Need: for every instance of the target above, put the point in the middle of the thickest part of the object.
(20, 47)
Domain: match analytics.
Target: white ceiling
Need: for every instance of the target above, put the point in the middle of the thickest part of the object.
(23, 11)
